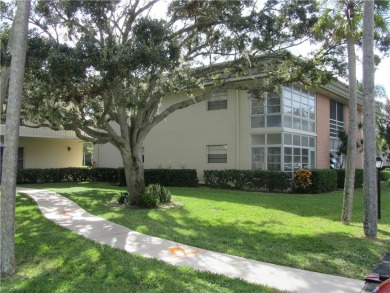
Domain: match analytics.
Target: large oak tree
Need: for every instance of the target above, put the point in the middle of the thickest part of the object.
(94, 64)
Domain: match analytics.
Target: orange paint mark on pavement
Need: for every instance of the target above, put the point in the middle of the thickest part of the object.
(181, 252)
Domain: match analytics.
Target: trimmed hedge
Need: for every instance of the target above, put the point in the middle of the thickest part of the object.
(341, 178)
(165, 177)
(247, 179)
(25, 176)
(323, 180)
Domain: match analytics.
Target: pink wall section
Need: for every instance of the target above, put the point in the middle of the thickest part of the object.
(323, 134)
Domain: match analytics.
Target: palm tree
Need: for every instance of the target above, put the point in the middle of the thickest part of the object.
(370, 217)
(339, 29)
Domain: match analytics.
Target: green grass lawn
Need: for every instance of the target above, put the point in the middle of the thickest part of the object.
(53, 259)
(301, 231)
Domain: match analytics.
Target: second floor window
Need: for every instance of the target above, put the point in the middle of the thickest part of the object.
(217, 101)
(336, 118)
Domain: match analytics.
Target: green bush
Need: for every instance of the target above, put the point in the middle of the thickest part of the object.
(385, 175)
(165, 177)
(323, 180)
(122, 198)
(25, 176)
(160, 192)
(246, 179)
(147, 200)
(302, 180)
(341, 178)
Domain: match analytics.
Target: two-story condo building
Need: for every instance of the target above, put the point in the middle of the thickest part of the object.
(292, 128)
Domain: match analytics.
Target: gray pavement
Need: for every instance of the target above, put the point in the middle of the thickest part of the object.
(68, 214)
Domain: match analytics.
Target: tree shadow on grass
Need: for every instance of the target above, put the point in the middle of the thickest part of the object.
(53, 259)
(333, 253)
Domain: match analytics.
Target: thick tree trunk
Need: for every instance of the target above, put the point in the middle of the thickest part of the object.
(134, 172)
(349, 183)
(370, 217)
(11, 138)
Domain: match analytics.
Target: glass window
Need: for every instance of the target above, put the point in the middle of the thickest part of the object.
(258, 158)
(217, 153)
(305, 141)
(257, 122)
(274, 159)
(257, 107)
(273, 103)
(258, 139)
(274, 138)
(287, 121)
(305, 125)
(274, 121)
(217, 101)
(296, 123)
(288, 138)
(312, 126)
(312, 159)
(302, 107)
(312, 142)
(340, 112)
(296, 140)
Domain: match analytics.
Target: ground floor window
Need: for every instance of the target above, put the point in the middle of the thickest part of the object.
(283, 152)
(217, 153)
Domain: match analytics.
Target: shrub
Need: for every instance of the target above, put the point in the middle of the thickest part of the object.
(147, 200)
(277, 181)
(323, 180)
(159, 192)
(341, 178)
(302, 180)
(25, 176)
(385, 175)
(166, 177)
(122, 199)
(246, 179)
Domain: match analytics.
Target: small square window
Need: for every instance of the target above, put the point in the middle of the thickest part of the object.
(217, 101)
(217, 153)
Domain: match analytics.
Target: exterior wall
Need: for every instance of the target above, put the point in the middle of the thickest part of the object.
(323, 134)
(43, 132)
(51, 153)
(181, 140)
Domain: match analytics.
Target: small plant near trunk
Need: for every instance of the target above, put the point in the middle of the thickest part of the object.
(154, 194)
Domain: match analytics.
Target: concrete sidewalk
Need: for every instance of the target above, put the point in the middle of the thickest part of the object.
(69, 215)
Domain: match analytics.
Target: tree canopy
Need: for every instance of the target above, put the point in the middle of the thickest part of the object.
(93, 63)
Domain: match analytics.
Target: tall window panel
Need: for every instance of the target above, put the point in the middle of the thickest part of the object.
(336, 118)
(299, 109)
(266, 112)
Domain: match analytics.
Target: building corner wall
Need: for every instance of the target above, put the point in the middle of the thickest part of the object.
(323, 132)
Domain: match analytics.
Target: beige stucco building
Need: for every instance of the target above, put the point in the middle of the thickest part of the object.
(290, 129)
(46, 148)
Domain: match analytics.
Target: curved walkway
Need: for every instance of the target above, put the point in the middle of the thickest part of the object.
(67, 214)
